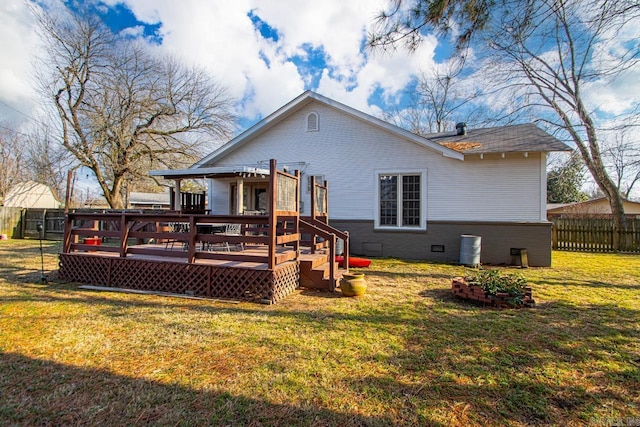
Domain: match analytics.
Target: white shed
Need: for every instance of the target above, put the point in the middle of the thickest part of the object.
(31, 194)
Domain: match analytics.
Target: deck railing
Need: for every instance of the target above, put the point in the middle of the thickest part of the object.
(330, 236)
(133, 231)
(319, 211)
(183, 236)
(322, 235)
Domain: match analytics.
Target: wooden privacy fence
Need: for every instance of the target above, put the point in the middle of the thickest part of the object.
(52, 221)
(22, 223)
(10, 221)
(593, 235)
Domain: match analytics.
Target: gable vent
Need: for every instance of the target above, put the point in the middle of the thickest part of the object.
(312, 122)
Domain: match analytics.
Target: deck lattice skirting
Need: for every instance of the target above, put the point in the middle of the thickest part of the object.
(210, 281)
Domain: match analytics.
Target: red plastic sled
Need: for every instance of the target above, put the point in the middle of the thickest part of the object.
(355, 262)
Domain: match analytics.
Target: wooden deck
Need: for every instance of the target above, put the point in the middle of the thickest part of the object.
(263, 260)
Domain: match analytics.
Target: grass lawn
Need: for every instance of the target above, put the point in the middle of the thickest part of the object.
(407, 353)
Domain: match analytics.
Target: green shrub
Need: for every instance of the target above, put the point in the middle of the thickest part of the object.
(494, 281)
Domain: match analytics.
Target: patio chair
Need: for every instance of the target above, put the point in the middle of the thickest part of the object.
(177, 227)
(232, 230)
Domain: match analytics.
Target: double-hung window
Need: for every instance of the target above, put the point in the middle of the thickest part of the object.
(400, 200)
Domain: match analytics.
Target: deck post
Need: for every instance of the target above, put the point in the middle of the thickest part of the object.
(332, 263)
(177, 200)
(273, 218)
(66, 246)
(296, 226)
(313, 212)
(191, 246)
(124, 235)
(345, 255)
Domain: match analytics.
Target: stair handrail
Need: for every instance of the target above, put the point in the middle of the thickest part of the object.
(331, 234)
(344, 235)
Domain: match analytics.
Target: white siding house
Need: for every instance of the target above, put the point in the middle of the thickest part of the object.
(400, 194)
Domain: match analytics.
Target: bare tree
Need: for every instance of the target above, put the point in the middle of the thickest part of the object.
(546, 53)
(438, 97)
(46, 161)
(550, 52)
(121, 110)
(11, 160)
(623, 157)
(411, 118)
(443, 95)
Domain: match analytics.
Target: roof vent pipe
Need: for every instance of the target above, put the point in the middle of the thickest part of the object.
(461, 128)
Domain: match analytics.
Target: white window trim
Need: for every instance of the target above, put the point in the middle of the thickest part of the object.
(423, 198)
(317, 128)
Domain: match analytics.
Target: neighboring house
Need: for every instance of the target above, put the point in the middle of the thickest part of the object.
(141, 200)
(398, 194)
(31, 194)
(591, 208)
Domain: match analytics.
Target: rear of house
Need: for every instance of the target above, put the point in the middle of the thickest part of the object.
(399, 194)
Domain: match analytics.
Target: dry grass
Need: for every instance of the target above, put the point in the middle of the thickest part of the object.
(405, 354)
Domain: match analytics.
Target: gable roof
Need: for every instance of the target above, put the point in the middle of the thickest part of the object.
(305, 99)
(31, 194)
(515, 138)
(520, 138)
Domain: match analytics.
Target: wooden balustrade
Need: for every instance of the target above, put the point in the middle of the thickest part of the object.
(159, 235)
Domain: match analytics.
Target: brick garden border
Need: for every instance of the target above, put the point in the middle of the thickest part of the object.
(461, 289)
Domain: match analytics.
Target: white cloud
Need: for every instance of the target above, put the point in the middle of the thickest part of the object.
(136, 31)
(261, 73)
(221, 37)
(616, 96)
(17, 43)
(616, 93)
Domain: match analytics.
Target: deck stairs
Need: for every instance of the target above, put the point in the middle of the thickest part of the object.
(315, 270)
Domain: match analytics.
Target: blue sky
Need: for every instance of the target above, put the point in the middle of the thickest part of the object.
(265, 52)
(119, 17)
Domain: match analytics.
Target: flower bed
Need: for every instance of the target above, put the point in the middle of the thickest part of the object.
(520, 297)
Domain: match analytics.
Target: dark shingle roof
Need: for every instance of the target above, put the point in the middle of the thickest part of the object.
(505, 139)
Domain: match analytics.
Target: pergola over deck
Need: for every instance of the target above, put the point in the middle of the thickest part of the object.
(176, 252)
(217, 172)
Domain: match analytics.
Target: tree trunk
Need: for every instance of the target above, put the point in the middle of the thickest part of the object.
(619, 222)
(113, 195)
